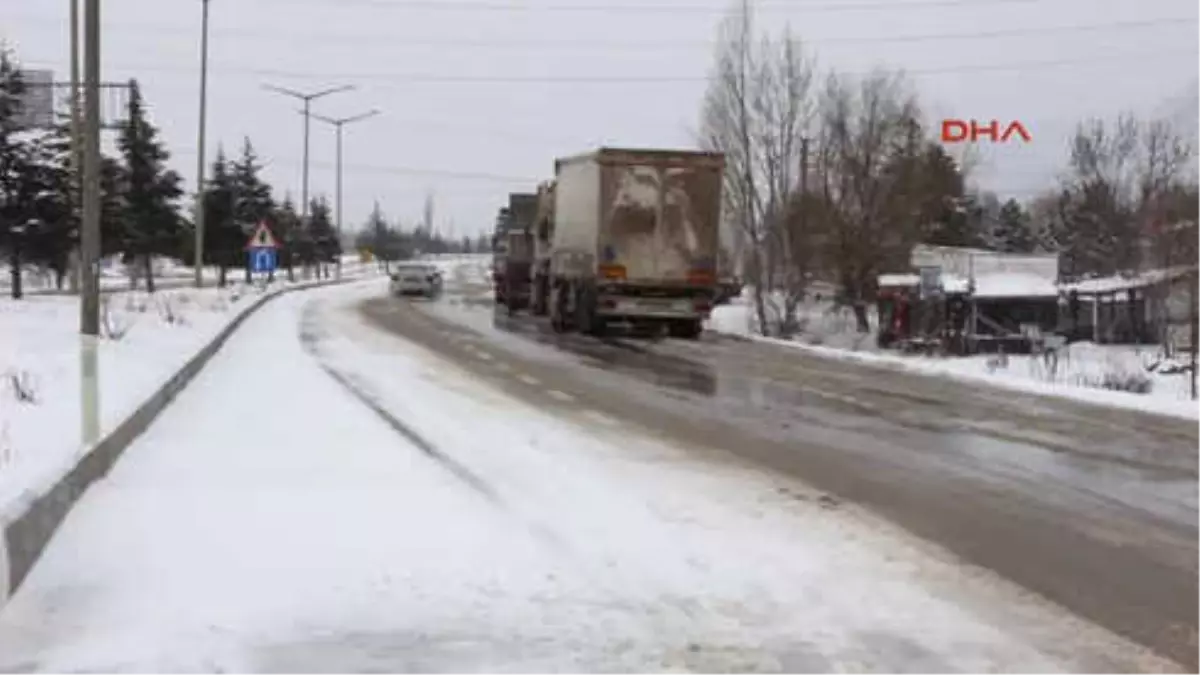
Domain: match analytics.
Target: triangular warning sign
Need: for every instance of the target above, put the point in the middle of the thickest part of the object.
(262, 238)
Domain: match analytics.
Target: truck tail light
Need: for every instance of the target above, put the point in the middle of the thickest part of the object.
(612, 271)
(700, 277)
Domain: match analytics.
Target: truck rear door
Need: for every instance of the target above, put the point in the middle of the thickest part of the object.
(659, 224)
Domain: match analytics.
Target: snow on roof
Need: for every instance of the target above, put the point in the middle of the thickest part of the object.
(1000, 285)
(894, 280)
(1015, 285)
(952, 283)
(1123, 283)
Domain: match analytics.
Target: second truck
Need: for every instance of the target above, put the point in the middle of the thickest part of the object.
(629, 237)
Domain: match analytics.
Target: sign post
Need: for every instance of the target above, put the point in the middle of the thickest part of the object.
(262, 252)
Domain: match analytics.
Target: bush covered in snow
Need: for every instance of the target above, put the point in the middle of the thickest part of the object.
(22, 385)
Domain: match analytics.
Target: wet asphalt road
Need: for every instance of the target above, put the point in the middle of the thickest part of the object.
(1093, 508)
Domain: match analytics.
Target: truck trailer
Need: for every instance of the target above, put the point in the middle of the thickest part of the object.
(629, 236)
(512, 251)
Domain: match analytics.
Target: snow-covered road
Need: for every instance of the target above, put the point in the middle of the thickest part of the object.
(326, 497)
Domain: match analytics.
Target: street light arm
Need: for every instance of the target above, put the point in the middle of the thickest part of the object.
(284, 91)
(327, 120)
(331, 90)
(358, 118)
(337, 122)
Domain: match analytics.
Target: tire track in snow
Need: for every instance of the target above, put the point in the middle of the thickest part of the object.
(310, 337)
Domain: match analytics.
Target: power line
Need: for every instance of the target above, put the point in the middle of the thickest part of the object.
(662, 8)
(392, 170)
(448, 78)
(157, 28)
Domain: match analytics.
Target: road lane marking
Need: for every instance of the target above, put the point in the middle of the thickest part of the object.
(480, 354)
(560, 395)
(529, 380)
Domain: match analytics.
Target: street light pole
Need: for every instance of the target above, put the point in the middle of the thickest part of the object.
(200, 141)
(338, 123)
(307, 99)
(89, 239)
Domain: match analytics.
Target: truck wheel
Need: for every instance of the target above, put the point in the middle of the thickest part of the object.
(538, 304)
(686, 330)
(558, 310)
(585, 313)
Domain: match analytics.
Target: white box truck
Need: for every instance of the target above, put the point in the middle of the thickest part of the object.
(630, 237)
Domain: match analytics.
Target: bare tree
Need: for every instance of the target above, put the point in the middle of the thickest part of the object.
(1120, 179)
(867, 128)
(757, 111)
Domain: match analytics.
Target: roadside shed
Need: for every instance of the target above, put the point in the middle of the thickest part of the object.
(970, 300)
(1145, 308)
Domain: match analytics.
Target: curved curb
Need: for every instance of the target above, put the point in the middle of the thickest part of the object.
(26, 536)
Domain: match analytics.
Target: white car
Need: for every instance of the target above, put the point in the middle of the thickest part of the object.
(416, 279)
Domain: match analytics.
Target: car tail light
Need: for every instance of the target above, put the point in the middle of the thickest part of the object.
(612, 271)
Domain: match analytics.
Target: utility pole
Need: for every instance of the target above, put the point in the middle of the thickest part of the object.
(89, 239)
(199, 243)
(307, 99)
(338, 123)
(1194, 261)
(76, 141)
(1192, 318)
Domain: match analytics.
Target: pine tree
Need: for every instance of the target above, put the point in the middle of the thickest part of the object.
(14, 170)
(61, 236)
(153, 225)
(321, 240)
(286, 227)
(253, 203)
(1013, 231)
(52, 230)
(114, 230)
(223, 236)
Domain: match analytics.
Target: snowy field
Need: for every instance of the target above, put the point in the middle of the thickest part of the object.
(147, 338)
(1080, 374)
(445, 526)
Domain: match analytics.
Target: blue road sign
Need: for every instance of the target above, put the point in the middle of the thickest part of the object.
(262, 259)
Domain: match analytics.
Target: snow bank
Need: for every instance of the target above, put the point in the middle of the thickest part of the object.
(1080, 373)
(147, 339)
(819, 322)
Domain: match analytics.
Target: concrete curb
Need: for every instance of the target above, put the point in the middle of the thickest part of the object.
(26, 536)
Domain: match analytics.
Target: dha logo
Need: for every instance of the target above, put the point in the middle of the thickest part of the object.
(958, 131)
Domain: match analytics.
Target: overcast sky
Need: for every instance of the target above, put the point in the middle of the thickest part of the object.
(479, 96)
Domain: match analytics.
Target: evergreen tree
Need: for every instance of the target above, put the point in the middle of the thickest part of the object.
(14, 170)
(61, 236)
(286, 227)
(321, 244)
(51, 232)
(153, 225)
(252, 201)
(114, 230)
(223, 236)
(1013, 231)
